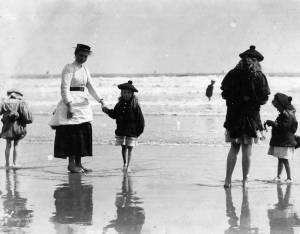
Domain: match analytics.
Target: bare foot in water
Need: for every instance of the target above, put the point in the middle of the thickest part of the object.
(245, 183)
(227, 184)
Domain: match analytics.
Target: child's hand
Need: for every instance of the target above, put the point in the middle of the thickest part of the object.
(104, 109)
(261, 136)
(269, 123)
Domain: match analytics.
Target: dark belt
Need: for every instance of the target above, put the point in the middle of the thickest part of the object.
(77, 89)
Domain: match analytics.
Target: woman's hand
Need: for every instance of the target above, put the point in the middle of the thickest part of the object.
(70, 111)
(101, 102)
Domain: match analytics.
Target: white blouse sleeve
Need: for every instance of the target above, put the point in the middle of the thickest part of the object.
(66, 78)
(91, 87)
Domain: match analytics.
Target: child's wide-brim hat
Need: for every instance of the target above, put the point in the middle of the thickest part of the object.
(252, 53)
(128, 86)
(15, 92)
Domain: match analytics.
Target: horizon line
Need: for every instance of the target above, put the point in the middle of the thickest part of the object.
(48, 75)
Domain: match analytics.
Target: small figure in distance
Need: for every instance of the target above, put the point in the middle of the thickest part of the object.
(16, 115)
(210, 89)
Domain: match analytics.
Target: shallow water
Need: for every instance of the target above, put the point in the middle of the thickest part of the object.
(172, 189)
(178, 168)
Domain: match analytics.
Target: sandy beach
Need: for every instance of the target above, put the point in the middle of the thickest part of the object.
(172, 189)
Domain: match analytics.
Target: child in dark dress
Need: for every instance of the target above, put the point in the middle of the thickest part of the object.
(129, 119)
(282, 143)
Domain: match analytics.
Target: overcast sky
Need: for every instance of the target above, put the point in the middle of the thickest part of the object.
(139, 36)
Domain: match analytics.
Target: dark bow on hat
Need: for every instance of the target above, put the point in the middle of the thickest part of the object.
(128, 86)
(252, 53)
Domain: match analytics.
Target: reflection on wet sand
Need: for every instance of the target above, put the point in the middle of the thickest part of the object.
(16, 215)
(73, 205)
(130, 216)
(282, 217)
(245, 219)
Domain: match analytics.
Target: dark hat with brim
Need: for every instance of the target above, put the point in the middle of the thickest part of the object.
(83, 47)
(284, 100)
(128, 86)
(14, 91)
(252, 53)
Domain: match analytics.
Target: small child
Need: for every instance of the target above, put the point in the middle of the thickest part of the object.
(282, 143)
(16, 116)
(129, 119)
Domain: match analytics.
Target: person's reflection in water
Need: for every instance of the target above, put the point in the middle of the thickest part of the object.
(130, 217)
(15, 212)
(245, 218)
(73, 204)
(283, 217)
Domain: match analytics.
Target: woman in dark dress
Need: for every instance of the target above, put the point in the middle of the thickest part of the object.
(245, 88)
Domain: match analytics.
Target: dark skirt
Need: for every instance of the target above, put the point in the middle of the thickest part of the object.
(73, 140)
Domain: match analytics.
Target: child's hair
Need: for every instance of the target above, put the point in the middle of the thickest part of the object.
(133, 101)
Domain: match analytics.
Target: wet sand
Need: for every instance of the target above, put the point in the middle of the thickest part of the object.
(172, 189)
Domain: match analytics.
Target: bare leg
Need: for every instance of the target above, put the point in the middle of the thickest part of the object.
(246, 161)
(72, 165)
(71, 161)
(279, 167)
(7, 152)
(231, 161)
(129, 155)
(15, 152)
(287, 168)
(78, 161)
(124, 153)
(80, 166)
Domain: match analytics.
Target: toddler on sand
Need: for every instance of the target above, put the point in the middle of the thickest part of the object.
(282, 143)
(16, 115)
(129, 119)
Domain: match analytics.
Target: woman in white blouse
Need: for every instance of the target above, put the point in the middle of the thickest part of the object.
(73, 115)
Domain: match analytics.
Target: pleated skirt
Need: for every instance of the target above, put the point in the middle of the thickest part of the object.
(73, 140)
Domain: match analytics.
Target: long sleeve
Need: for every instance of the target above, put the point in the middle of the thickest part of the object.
(1, 108)
(66, 78)
(140, 121)
(25, 114)
(90, 86)
(263, 89)
(226, 85)
(287, 122)
(112, 113)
